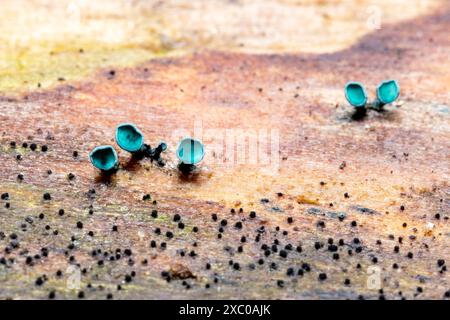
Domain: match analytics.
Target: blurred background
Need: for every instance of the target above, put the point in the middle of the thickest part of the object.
(42, 39)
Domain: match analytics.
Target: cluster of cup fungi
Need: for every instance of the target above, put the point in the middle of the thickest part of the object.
(191, 151)
(129, 138)
(387, 92)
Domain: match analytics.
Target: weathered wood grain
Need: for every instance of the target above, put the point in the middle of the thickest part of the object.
(388, 172)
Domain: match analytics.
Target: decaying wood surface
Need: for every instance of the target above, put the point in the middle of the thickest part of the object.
(387, 173)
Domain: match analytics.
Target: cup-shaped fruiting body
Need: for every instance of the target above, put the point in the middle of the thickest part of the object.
(104, 158)
(129, 138)
(162, 146)
(190, 151)
(356, 94)
(387, 92)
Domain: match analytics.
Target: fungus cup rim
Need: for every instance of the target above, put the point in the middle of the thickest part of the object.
(104, 147)
(384, 83)
(135, 128)
(195, 141)
(353, 83)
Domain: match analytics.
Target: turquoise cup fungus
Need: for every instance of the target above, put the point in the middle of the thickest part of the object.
(104, 158)
(387, 92)
(129, 138)
(190, 151)
(356, 94)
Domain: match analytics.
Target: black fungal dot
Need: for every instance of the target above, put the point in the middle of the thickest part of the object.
(332, 248)
(353, 223)
(47, 196)
(79, 225)
(33, 146)
(176, 217)
(214, 217)
(322, 276)
(154, 214)
(44, 148)
(317, 245)
(39, 281)
(146, 197)
(252, 214)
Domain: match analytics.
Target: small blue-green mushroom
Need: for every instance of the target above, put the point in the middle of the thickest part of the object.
(387, 92)
(190, 151)
(104, 158)
(129, 138)
(356, 94)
